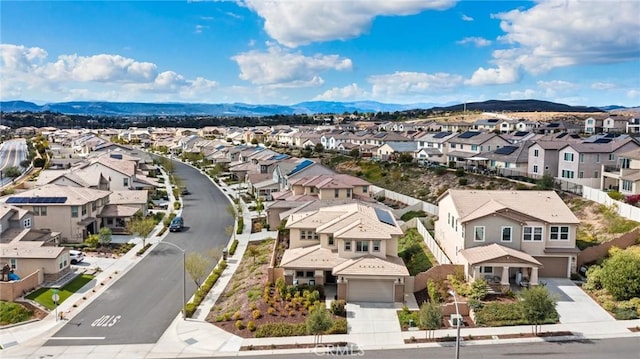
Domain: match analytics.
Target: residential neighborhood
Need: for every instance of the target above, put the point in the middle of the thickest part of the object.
(341, 235)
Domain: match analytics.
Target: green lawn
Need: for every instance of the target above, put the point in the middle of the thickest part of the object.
(413, 251)
(43, 295)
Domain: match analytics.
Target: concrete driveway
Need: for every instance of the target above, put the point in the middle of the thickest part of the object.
(374, 325)
(574, 305)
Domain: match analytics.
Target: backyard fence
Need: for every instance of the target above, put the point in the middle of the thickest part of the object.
(431, 243)
(625, 210)
(592, 254)
(409, 201)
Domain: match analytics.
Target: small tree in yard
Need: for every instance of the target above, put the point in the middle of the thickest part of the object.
(197, 265)
(104, 236)
(92, 241)
(430, 317)
(318, 322)
(142, 227)
(259, 206)
(253, 252)
(620, 274)
(537, 305)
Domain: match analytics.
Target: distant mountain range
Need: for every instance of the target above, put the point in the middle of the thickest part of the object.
(313, 107)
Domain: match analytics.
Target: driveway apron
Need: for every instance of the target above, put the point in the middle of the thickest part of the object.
(574, 305)
(374, 325)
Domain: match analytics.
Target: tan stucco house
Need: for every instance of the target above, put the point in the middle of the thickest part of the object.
(353, 245)
(506, 236)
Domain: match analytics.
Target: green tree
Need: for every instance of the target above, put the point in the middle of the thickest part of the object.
(142, 227)
(25, 163)
(259, 206)
(537, 305)
(318, 322)
(253, 251)
(546, 182)
(92, 241)
(197, 265)
(318, 148)
(620, 274)
(105, 236)
(12, 172)
(478, 290)
(430, 317)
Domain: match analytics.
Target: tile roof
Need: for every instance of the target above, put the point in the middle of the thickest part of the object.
(496, 252)
(75, 195)
(310, 257)
(370, 265)
(544, 205)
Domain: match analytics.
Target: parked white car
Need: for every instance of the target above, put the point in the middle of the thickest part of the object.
(76, 256)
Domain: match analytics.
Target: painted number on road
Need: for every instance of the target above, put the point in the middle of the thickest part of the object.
(106, 321)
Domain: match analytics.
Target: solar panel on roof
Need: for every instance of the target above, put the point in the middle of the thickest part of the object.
(468, 134)
(602, 140)
(384, 216)
(380, 135)
(553, 125)
(612, 135)
(520, 133)
(562, 135)
(14, 200)
(493, 120)
(442, 134)
(506, 150)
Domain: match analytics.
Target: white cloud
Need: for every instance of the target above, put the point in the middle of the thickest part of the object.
(284, 68)
(466, 18)
(103, 76)
(407, 83)
(552, 88)
(602, 85)
(520, 95)
(494, 76)
(633, 94)
(567, 32)
(295, 23)
(478, 41)
(350, 92)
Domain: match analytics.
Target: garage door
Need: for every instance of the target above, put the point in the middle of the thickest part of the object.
(553, 267)
(362, 290)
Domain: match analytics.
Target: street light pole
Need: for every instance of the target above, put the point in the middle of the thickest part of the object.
(184, 274)
(455, 300)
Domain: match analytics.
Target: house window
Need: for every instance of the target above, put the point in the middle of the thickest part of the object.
(376, 246)
(347, 246)
(299, 274)
(40, 211)
(94, 205)
(448, 218)
(474, 147)
(13, 263)
(624, 163)
(84, 209)
(479, 234)
(336, 193)
(582, 158)
(612, 157)
(453, 145)
(627, 186)
(309, 274)
(568, 157)
(362, 246)
(560, 233)
(486, 270)
(125, 182)
(535, 168)
(536, 153)
(567, 174)
(532, 234)
(330, 241)
(26, 223)
(365, 189)
(595, 174)
(581, 174)
(597, 158)
(348, 192)
(506, 234)
(74, 211)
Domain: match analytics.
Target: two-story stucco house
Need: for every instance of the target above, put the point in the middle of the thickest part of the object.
(624, 176)
(353, 245)
(72, 211)
(468, 144)
(506, 236)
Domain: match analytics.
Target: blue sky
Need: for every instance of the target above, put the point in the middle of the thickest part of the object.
(284, 52)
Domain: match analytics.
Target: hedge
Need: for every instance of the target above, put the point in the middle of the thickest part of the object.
(234, 245)
(201, 292)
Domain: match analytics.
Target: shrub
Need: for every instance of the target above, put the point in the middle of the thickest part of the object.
(234, 245)
(339, 307)
(11, 313)
(412, 214)
(459, 172)
(462, 181)
(240, 228)
(625, 314)
(281, 330)
(176, 205)
(616, 195)
(237, 315)
(239, 325)
(433, 291)
(478, 289)
(256, 314)
(251, 326)
(190, 308)
(339, 327)
(271, 311)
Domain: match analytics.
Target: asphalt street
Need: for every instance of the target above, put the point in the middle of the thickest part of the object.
(619, 348)
(12, 152)
(140, 306)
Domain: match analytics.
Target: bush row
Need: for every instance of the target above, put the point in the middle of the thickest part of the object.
(234, 245)
(199, 295)
(143, 249)
(290, 330)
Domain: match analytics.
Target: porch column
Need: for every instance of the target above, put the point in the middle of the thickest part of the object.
(534, 276)
(505, 276)
(476, 273)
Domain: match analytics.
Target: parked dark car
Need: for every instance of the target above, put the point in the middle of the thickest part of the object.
(176, 224)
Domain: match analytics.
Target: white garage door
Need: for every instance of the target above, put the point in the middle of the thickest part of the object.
(363, 290)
